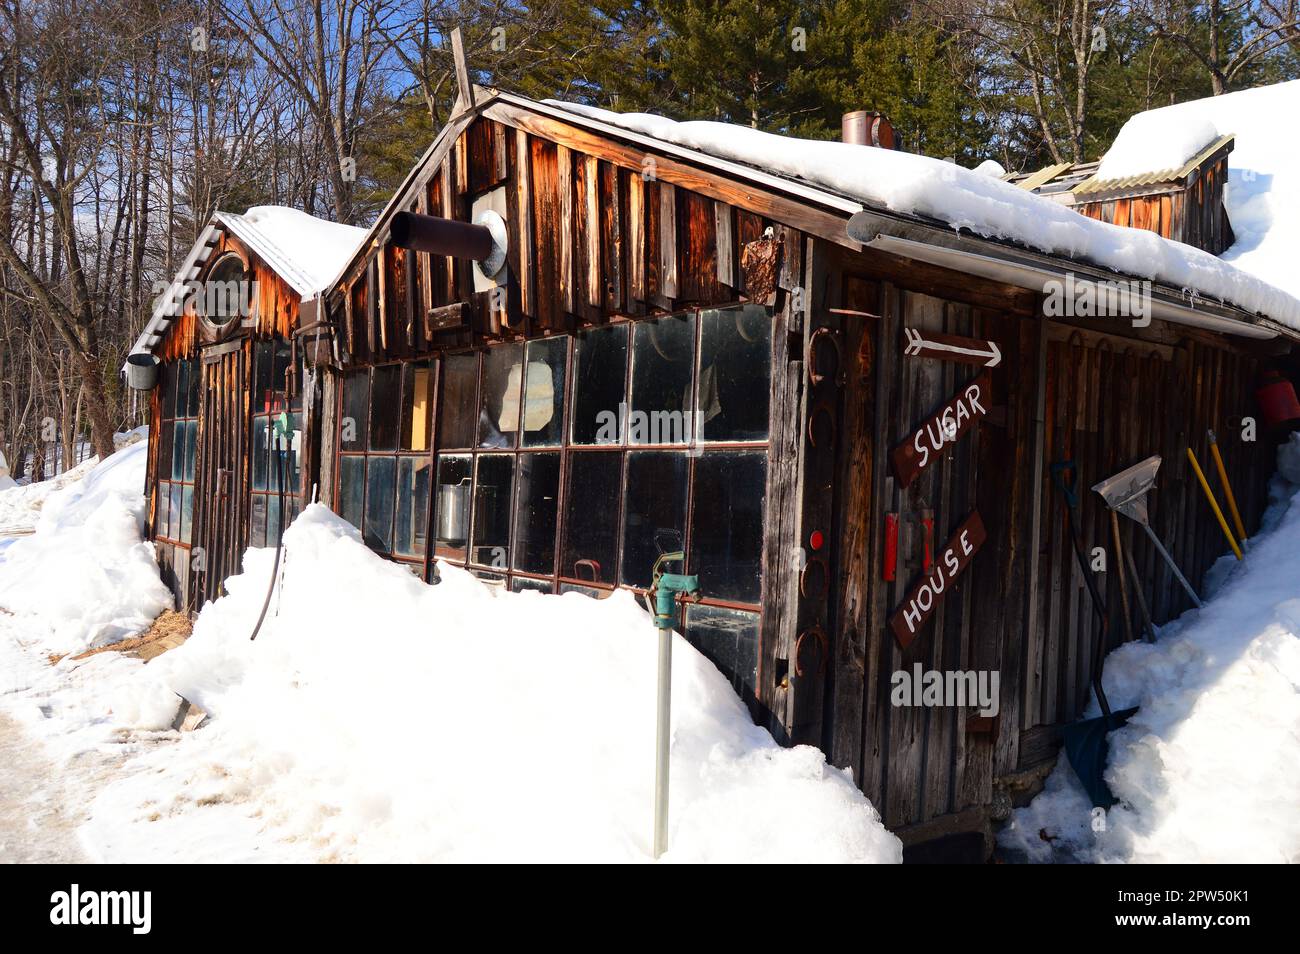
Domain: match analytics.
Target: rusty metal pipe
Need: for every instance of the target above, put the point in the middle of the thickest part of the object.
(439, 236)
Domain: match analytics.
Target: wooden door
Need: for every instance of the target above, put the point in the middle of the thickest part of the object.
(221, 498)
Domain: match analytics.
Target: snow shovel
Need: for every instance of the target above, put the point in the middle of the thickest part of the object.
(1126, 492)
(1085, 741)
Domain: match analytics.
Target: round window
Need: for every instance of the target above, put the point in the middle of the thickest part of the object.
(226, 294)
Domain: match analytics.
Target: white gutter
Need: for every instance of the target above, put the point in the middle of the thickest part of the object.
(1035, 278)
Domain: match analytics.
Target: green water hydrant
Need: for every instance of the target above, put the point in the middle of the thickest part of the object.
(663, 591)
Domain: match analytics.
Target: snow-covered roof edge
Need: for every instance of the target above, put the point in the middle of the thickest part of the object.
(255, 231)
(936, 190)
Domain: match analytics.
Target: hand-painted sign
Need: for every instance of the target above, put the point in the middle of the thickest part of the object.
(931, 344)
(949, 423)
(930, 589)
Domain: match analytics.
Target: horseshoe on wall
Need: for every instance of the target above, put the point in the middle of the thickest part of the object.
(823, 644)
(833, 338)
(822, 407)
(824, 577)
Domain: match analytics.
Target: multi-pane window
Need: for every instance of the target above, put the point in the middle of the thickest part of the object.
(177, 444)
(385, 464)
(570, 463)
(275, 471)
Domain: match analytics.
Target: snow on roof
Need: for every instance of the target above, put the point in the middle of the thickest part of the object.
(911, 184)
(1263, 196)
(306, 251)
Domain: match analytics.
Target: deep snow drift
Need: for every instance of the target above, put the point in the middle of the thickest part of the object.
(378, 718)
(1208, 770)
(85, 577)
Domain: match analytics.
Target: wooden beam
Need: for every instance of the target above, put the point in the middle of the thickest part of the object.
(667, 240)
(800, 213)
(591, 198)
(464, 88)
(564, 160)
(524, 198)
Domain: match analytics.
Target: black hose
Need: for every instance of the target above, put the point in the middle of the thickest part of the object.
(279, 538)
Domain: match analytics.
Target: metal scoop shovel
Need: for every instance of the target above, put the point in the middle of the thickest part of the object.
(1126, 493)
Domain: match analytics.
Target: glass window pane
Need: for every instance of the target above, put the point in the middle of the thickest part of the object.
(591, 516)
(729, 638)
(260, 453)
(539, 487)
(457, 414)
(417, 406)
(499, 403)
(196, 376)
(283, 353)
(735, 373)
(178, 451)
(263, 383)
(412, 505)
(161, 514)
(352, 489)
(544, 400)
(180, 397)
(170, 390)
(663, 360)
(272, 519)
(293, 468)
(166, 435)
(655, 515)
(451, 514)
(521, 583)
(174, 511)
(727, 524)
(187, 513)
(595, 592)
(385, 405)
(191, 436)
(491, 531)
(356, 411)
(381, 474)
(257, 521)
(599, 384)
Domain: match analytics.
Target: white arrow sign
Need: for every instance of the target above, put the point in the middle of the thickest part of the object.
(952, 348)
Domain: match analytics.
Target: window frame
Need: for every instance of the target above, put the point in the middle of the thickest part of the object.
(695, 448)
(166, 423)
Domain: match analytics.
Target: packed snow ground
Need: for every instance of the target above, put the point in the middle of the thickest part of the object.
(1208, 770)
(377, 718)
(970, 199)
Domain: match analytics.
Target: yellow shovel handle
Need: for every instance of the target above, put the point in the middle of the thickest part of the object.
(1227, 490)
(1214, 504)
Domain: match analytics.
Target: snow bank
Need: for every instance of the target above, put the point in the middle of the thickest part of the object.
(969, 199)
(377, 718)
(1263, 198)
(1208, 770)
(85, 577)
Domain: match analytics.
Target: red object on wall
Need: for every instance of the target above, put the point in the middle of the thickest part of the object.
(891, 546)
(1277, 401)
